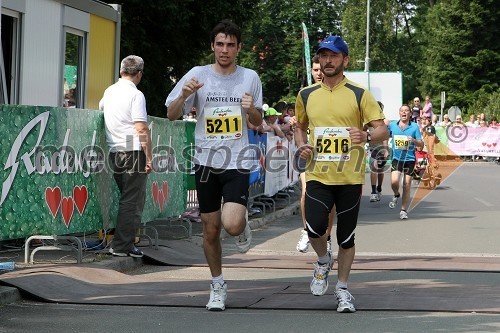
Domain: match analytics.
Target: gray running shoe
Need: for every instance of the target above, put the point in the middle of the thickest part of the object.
(329, 248)
(344, 299)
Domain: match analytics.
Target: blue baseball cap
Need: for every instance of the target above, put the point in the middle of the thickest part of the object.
(333, 43)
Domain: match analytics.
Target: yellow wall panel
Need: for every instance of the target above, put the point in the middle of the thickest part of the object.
(101, 59)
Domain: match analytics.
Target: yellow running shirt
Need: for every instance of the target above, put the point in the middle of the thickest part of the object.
(328, 113)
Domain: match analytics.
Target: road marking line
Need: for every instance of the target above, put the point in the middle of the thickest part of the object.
(484, 202)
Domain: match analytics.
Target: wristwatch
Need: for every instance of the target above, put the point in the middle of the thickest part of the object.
(368, 137)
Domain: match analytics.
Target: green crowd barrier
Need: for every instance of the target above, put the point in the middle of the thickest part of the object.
(441, 149)
(55, 176)
(190, 181)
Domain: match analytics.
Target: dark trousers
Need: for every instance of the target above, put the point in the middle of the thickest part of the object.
(128, 172)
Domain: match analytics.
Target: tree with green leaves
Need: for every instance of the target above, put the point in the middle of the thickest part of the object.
(393, 44)
(274, 45)
(173, 36)
(461, 56)
(446, 45)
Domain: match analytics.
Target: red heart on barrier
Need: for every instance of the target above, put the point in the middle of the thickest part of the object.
(161, 199)
(155, 193)
(494, 144)
(81, 196)
(488, 145)
(483, 143)
(53, 199)
(165, 191)
(67, 208)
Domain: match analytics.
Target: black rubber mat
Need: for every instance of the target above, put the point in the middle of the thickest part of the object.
(87, 284)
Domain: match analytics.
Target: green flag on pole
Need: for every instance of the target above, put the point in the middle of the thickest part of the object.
(307, 53)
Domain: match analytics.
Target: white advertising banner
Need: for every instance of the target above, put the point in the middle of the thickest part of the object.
(277, 158)
(466, 141)
(386, 87)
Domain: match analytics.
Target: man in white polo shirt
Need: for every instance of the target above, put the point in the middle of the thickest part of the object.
(129, 142)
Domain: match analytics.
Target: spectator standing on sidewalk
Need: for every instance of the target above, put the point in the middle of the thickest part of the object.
(335, 173)
(405, 137)
(472, 121)
(416, 110)
(434, 120)
(494, 122)
(446, 121)
(129, 142)
(427, 109)
(227, 96)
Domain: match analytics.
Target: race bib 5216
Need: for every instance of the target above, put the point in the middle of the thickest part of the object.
(332, 144)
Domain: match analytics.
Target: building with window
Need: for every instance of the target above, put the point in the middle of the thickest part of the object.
(58, 52)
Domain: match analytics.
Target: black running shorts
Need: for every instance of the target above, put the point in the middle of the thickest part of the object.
(319, 201)
(213, 185)
(405, 167)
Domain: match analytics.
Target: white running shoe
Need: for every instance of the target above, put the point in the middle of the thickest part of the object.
(218, 295)
(303, 243)
(329, 248)
(374, 197)
(319, 283)
(344, 299)
(393, 202)
(403, 215)
(379, 196)
(244, 240)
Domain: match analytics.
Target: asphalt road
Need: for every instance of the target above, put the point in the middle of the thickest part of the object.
(459, 218)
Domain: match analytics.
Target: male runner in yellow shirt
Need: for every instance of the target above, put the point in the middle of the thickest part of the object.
(335, 112)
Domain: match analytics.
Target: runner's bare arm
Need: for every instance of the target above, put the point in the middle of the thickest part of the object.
(418, 143)
(301, 140)
(254, 114)
(176, 108)
(380, 131)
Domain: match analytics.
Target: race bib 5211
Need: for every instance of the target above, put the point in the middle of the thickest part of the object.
(223, 123)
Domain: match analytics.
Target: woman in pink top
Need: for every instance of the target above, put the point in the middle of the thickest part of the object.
(427, 109)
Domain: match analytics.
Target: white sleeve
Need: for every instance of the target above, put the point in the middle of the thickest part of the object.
(177, 91)
(257, 84)
(139, 112)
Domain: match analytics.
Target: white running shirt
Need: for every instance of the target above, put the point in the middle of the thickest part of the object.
(221, 133)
